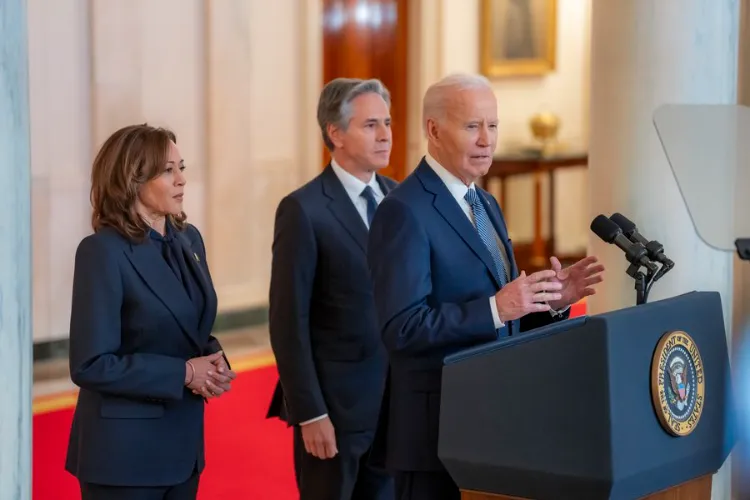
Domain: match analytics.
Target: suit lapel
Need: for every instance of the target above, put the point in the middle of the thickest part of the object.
(502, 233)
(446, 205)
(204, 282)
(343, 209)
(150, 265)
(383, 185)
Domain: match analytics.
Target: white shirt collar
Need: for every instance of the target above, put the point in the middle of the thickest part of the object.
(353, 185)
(455, 185)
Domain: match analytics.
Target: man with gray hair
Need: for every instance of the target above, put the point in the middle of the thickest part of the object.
(444, 279)
(324, 334)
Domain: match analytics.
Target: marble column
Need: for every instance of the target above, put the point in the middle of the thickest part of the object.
(645, 54)
(15, 256)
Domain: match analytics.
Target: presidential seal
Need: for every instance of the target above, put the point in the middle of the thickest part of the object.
(677, 383)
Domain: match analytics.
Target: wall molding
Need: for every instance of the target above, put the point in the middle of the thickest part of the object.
(225, 321)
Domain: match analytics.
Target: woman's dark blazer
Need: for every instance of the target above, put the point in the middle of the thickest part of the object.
(132, 328)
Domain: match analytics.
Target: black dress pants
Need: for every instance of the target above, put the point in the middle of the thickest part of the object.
(183, 491)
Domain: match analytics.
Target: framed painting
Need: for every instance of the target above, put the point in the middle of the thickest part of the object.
(518, 37)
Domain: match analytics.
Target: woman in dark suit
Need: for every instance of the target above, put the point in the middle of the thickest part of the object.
(141, 348)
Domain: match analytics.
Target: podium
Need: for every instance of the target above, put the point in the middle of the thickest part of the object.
(629, 404)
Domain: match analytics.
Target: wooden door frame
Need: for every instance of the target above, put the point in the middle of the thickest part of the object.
(400, 92)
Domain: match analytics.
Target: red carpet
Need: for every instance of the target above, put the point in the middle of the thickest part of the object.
(578, 309)
(248, 457)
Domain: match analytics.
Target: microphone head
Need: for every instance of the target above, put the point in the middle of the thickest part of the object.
(627, 226)
(605, 228)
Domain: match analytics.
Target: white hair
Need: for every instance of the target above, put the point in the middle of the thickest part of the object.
(433, 103)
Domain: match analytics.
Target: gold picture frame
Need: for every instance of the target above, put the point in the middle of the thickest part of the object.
(528, 48)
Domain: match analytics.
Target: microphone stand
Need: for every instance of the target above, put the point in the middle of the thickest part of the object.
(651, 277)
(641, 283)
(644, 282)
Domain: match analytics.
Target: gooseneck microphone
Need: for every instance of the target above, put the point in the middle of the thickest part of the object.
(611, 233)
(654, 248)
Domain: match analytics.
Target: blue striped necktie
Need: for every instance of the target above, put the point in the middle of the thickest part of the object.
(486, 233)
(369, 195)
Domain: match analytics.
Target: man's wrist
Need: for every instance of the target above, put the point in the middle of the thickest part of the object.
(495, 310)
(321, 417)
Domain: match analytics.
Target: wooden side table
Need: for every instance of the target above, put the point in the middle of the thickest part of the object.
(508, 164)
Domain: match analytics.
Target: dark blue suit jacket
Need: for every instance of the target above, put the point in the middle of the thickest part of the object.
(322, 322)
(132, 328)
(432, 281)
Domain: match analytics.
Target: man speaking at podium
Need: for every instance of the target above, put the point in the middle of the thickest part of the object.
(445, 279)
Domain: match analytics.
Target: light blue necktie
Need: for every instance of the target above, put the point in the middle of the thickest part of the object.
(486, 233)
(369, 195)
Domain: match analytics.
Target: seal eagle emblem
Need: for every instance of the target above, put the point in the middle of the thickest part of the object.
(677, 383)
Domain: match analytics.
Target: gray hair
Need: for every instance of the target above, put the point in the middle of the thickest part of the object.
(335, 103)
(433, 103)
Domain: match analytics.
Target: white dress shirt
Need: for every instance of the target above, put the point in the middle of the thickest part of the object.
(354, 187)
(458, 189)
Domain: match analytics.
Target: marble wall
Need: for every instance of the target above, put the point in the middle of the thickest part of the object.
(240, 98)
(262, 98)
(61, 147)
